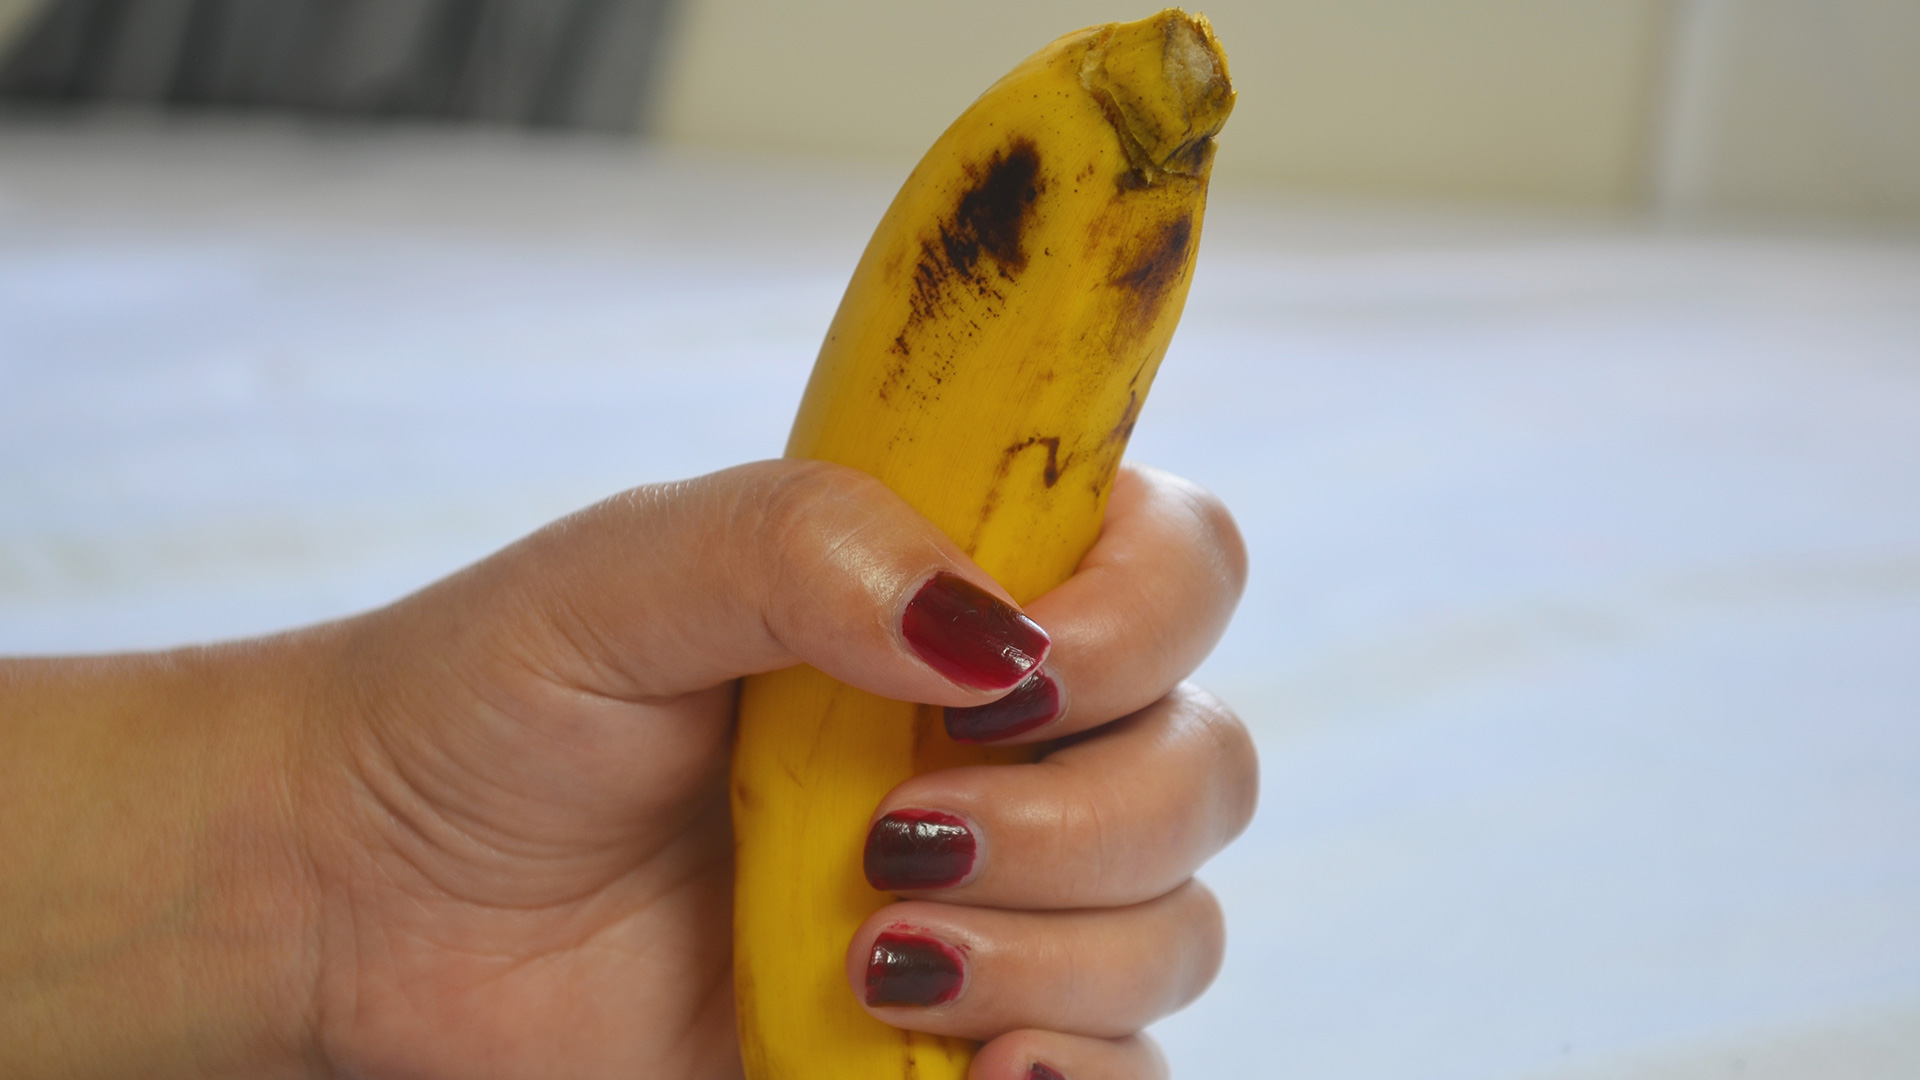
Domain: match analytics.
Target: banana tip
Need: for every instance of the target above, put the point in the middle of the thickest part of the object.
(1164, 84)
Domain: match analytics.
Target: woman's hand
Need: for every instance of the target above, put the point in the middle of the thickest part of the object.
(502, 840)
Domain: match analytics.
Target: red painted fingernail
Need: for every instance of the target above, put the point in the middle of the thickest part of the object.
(918, 849)
(1042, 1072)
(1029, 705)
(908, 969)
(968, 635)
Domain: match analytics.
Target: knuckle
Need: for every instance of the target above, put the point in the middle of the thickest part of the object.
(1089, 844)
(1150, 1059)
(1205, 923)
(1213, 524)
(1234, 780)
(1222, 533)
(805, 520)
(1089, 833)
(794, 503)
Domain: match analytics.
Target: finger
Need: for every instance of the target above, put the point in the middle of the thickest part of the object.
(1050, 1055)
(1118, 818)
(1145, 607)
(678, 587)
(978, 973)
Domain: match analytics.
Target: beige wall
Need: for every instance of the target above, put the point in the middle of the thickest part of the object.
(1488, 99)
(1797, 106)
(1537, 100)
(1693, 106)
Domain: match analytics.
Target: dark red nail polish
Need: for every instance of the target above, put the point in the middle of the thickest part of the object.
(1034, 702)
(1042, 1072)
(918, 849)
(969, 636)
(907, 969)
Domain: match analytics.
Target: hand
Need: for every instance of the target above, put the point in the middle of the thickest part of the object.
(508, 798)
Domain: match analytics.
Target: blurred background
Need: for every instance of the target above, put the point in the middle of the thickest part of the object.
(1561, 359)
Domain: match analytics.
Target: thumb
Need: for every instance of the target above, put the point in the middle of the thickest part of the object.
(674, 588)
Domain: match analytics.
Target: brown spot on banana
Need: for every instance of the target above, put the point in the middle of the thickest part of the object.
(993, 215)
(975, 247)
(985, 232)
(1049, 476)
(1114, 447)
(1123, 430)
(1054, 464)
(1149, 272)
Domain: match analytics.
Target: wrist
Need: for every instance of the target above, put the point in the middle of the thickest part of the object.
(155, 905)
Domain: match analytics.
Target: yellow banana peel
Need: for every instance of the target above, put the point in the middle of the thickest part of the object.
(988, 363)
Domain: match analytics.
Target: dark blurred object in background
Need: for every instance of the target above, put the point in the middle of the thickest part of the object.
(560, 63)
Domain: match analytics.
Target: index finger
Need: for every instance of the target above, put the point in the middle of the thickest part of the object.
(1145, 607)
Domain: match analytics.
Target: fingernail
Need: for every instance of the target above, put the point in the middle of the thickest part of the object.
(918, 849)
(1029, 705)
(969, 636)
(1042, 1072)
(908, 969)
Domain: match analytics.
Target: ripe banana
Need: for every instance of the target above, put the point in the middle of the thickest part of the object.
(987, 363)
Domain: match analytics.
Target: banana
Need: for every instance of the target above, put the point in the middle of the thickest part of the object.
(988, 363)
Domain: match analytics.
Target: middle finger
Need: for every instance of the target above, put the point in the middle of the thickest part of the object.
(1120, 817)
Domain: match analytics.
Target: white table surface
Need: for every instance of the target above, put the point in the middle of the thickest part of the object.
(1583, 642)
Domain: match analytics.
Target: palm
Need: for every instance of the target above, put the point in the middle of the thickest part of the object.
(553, 903)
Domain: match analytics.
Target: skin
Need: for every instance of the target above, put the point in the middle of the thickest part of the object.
(483, 832)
